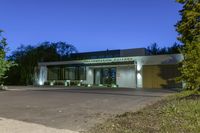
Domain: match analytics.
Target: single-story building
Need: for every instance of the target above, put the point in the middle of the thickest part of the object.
(131, 68)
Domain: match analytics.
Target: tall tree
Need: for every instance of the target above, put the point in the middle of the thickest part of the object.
(189, 34)
(27, 58)
(175, 48)
(64, 49)
(154, 49)
(4, 64)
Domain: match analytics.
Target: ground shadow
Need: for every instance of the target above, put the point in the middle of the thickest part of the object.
(169, 72)
(105, 92)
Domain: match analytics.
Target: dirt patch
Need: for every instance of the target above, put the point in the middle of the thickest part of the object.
(167, 115)
(191, 97)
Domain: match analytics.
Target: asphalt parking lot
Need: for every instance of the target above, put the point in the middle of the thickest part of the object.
(75, 109)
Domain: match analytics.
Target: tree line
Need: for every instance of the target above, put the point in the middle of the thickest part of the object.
(27, 57)
(154, 49)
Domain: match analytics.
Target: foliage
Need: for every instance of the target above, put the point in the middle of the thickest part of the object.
(191, 66)
(4, 64)
(189, 34)
(64, 50)
(189, 25)
(27, 58)
(154, 49)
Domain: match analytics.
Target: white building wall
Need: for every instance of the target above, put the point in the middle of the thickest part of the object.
(89, 76)
(139, 78)
(126, 76)
(159, 59)
(42, 75)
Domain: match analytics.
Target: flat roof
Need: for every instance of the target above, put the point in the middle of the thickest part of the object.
(90, 61)
(104, 60)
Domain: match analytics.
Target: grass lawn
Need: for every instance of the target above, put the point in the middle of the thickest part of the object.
(179, 113)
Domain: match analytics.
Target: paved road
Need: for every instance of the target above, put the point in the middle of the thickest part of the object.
(14, 126)
(74, 109)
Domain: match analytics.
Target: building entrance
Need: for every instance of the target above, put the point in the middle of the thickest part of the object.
(105, 76)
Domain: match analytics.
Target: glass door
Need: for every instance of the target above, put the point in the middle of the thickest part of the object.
(97, 76)
(109, 76)
(105, 76)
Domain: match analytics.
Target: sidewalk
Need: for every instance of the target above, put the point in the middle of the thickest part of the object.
(14, 126)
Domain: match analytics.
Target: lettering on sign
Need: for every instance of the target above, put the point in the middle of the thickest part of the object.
(109, 60)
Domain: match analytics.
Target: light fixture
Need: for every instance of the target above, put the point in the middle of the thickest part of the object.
(89, 85)
(40, 82)
(52, 83)
(139, 66)
(139, 76)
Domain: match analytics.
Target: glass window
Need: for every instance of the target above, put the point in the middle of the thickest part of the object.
(53, 73)
(67, 73)
(82, 73)
(72, 72)
(106, 75)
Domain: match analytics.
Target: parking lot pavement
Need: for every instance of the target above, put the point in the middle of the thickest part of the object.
(14, 126)
(75, 109)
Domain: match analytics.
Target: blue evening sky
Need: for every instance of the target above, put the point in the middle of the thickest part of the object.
(90, 25)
